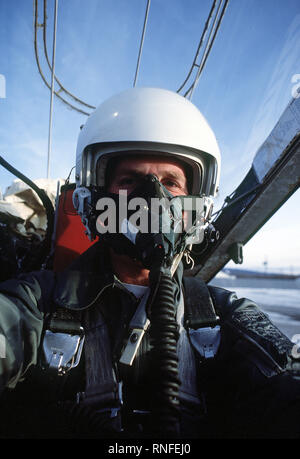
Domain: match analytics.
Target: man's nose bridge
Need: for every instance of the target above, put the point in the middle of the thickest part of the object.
(152, 184)
(151, 178)
(155, 187)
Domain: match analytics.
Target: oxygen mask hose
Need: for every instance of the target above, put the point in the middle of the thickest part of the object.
(164, 336)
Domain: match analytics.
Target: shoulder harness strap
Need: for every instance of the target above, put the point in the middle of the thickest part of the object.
(63, 342)
(200, 318)
(199, 308)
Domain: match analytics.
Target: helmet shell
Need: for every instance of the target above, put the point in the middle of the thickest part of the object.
(148, 121)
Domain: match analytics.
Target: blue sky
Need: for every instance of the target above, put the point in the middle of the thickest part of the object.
(243, 90)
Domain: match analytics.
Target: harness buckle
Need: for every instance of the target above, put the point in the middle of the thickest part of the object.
(206, 340)
(62, 351)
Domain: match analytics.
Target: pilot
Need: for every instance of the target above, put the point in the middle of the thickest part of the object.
(124, 343)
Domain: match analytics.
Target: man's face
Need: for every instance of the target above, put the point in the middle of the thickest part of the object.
(129, 173)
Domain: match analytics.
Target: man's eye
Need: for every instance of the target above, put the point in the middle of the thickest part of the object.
(170, 184)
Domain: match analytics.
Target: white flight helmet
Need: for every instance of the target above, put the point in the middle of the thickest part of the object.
(146, 121)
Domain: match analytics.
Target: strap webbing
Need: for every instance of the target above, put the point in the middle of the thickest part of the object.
(199, 308)
(102, 388)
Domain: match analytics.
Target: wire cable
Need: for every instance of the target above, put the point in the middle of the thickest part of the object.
(205, 53)
(36, 25)
(62, 88)
(199, 46)
(52, 87)
(211, 38)
(208, 48)
(142, 42)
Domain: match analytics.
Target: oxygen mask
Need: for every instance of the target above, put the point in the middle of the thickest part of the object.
(150, 224)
